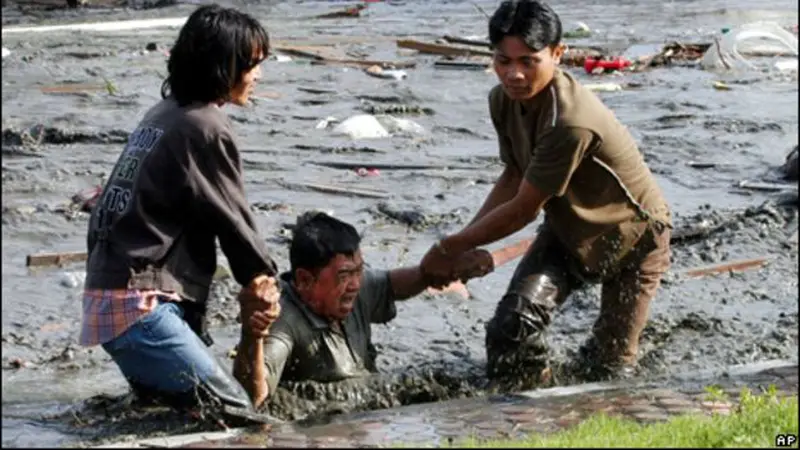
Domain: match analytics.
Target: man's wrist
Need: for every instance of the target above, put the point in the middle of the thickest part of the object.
(450, 246)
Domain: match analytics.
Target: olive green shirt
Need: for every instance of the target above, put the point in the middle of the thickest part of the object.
(566, 142)
(303, 346)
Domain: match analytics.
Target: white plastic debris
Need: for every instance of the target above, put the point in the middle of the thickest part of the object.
(582, 27)
(73, 279)
(763, 38)
(280, 58)
(326, 122)
(379, 72)
(361, 126)
(603, 87)
(396, 125)
(6, 52)
(786, 65)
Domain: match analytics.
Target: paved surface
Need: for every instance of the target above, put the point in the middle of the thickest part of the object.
(541, 411)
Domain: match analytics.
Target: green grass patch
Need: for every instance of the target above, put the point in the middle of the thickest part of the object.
(755, 422)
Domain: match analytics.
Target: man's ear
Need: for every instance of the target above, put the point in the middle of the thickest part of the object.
(303, 279)
(558, 52)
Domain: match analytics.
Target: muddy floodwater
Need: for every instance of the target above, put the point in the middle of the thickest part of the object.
(57, 144)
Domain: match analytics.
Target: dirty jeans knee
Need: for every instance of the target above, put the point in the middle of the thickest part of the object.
(161, 355)
(515, 336)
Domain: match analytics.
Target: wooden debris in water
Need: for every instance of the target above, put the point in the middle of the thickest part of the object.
(327, 55)
(317, 91)
(351, 12)
(441, 49)
(389, 166)
(462, 65)
(357, 192)
(73, 88)
(766, 187)
(701, 165)
(326, 149)
(465, 41)
(307, 51)
(731, 266)
(54, 259)
(368, 63)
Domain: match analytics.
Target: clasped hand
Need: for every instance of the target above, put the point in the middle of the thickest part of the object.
(259, 303)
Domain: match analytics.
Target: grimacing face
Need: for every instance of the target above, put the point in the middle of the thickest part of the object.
(522, 72)
(333, 291)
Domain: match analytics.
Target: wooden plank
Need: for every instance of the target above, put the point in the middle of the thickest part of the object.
(389, 166)
(54, 259)
(332, 189)
(465, 41)
(441, 49)
(314, 52)
(351, 12)
(730, 266)
(368, 63)
(462, 65)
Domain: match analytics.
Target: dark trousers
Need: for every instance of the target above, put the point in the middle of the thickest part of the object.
(544, 279)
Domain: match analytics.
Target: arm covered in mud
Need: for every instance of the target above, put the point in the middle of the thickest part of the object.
(213, 168)
(408, 282)
(260, 362)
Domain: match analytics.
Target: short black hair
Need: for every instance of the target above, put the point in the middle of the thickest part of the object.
(214, 48)
(530, 20)
(318, 238)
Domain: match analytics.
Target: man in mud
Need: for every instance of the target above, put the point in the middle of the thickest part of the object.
(605, 219)
(175, 190)
(328, 301)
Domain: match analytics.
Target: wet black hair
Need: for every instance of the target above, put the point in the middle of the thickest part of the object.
(318, 238)
(530, 20)
(214, 49)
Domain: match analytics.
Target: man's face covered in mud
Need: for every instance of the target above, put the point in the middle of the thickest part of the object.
(332, 291)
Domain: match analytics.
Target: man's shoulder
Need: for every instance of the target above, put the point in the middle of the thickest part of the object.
(374, 282)
(291, 322)
(498, 100)
(577, 107)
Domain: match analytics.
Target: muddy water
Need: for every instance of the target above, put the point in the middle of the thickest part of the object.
(675, 115)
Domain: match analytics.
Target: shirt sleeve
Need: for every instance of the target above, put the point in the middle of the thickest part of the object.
(556, 156)
(214, 171)
(278, 347)
(377, 292)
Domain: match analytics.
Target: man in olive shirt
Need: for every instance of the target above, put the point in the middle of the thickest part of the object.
(328, 302)
(606, 219)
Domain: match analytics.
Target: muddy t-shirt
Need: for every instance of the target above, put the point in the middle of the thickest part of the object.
(568, 144)
(304, 346)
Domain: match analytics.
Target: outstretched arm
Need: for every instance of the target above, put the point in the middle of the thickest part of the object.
(408, 282)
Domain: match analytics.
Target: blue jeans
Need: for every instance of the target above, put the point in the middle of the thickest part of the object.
(160, 355)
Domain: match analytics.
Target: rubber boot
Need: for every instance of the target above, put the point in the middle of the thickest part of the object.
(515, 336)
